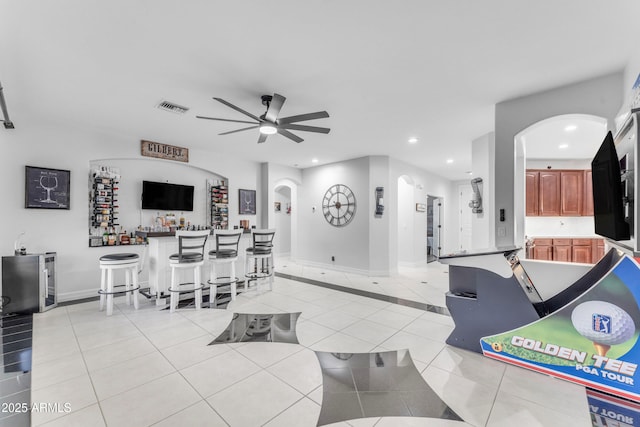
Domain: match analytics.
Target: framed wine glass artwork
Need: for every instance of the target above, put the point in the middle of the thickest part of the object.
(47, 188)
(247, 201)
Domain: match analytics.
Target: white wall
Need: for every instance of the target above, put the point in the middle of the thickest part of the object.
(66, 231)
(483, 166)
(380, 232)
(600, 97)
(406, 217)
(560, 226)
(559, 163)
(428, 183)
(275, 177)
(134, 171)
(369, 244)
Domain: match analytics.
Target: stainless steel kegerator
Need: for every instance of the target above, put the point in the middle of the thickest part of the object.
(29, 283)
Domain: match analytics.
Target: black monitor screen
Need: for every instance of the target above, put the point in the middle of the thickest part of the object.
(167, 197)
(608, 206)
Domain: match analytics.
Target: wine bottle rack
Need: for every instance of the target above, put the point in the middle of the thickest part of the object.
(104, 201)
(219, 206)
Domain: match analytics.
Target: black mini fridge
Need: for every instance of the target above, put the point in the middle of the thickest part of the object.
(29, 283)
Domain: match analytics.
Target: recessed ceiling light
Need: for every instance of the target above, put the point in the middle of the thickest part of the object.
(413, 140)
(570, 128)
(563, 146)
(314, 160)
(449, 160)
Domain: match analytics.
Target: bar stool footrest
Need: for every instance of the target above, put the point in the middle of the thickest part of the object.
(186, 290)
(102, 292)
(216, 283)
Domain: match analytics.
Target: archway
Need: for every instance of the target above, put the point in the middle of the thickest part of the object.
(282, 220)
(566, 141)
(283, 216)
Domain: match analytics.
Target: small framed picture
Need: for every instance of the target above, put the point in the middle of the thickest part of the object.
(247, 202)
(277, 206)
(47, 188)
(421, 207)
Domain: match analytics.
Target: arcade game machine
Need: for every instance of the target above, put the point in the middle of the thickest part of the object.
(587, 332)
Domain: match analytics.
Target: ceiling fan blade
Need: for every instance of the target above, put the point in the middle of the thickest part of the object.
(274, 107)
(238, 109)
(262, 138)
(305, 128)
(303, 117)
(238, 130)
(289, 135)
(225, 120)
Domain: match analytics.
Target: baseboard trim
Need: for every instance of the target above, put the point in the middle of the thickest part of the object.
(342, 269)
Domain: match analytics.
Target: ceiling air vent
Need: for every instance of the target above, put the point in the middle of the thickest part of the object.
(171, 107)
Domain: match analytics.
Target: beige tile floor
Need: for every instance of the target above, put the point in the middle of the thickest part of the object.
(151, 367)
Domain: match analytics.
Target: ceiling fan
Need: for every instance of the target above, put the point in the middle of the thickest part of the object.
(269, 123)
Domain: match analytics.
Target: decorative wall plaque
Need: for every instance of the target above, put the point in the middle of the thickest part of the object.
(47, 188)
(164, 151)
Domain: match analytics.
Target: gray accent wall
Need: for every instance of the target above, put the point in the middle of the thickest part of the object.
(318, 240)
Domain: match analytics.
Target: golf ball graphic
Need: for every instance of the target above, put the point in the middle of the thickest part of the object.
(603, 323)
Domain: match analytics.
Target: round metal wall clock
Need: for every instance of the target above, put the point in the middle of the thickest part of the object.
(339, 205)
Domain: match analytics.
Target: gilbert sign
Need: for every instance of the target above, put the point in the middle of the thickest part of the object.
(164, 151)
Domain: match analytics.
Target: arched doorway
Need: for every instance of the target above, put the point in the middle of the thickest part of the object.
(282, 220)
(567, 141)
(283, 217)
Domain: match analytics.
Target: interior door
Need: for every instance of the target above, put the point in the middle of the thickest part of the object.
(431, 243)
(437, 225)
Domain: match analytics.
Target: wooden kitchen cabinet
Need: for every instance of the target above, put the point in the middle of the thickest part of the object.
(597, 250)
(562, 250)
(571, 192)
(549, 193)
(558, 193)
(587, 198)
(531, 185)
(583, 250)
(543, 249)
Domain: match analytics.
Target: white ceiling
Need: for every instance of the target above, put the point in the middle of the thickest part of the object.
(385, 71)
(570, 136)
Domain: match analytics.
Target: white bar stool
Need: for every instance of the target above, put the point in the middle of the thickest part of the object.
(128, 262)
(259, 258)
(224, 255)
(190, 255)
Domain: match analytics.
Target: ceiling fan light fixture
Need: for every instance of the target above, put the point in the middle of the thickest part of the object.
(268, 129)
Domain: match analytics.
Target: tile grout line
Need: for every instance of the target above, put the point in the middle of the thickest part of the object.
(75, 336)
(178, 371)
(264, 369)
(87, 367)
(495, 398)
(378, 296)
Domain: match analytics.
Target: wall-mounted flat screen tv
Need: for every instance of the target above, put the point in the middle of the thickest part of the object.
(608, 206)
(167, 197)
